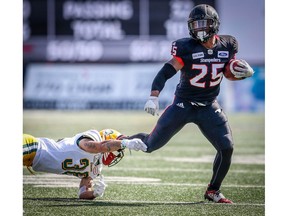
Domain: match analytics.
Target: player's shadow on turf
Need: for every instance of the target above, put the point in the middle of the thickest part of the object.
(75, 202)
(78, 202)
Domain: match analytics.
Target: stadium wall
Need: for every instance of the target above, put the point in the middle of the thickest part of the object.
(75, 58)
(122, 86)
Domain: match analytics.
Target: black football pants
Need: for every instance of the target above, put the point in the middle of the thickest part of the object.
(212, 122)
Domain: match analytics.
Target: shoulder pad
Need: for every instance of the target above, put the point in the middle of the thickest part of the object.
(230, 42)
(180, 47)
(91, 134)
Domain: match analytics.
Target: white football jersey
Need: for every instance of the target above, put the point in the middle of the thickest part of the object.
(66, 157)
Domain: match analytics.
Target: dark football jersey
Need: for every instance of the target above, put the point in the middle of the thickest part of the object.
(202, 72)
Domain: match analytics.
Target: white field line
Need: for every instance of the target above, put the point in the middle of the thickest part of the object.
(179, 203)
(52, 180)
(170, 170)
(236, 159)
(182, 170)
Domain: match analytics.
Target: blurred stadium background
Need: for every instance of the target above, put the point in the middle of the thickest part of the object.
(88, 56)
(104, 54)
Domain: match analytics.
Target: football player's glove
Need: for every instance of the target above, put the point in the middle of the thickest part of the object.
(152, 105)
(100, 187)
(243, 69)
(134, 144)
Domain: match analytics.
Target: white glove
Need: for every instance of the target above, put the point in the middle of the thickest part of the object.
(243, 69)
(152, 105)
(100, 187)
(134, 144)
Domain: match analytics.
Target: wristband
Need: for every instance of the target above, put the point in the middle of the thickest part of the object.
(123, 143)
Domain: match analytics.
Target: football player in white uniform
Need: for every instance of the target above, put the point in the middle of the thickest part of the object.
(81, 155)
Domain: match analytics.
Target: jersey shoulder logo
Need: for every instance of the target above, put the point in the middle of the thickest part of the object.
(223, 54)
(198, 55)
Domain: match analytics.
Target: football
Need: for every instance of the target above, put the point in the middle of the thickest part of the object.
(229, 70)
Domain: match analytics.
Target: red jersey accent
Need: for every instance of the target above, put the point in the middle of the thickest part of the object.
(179, 60)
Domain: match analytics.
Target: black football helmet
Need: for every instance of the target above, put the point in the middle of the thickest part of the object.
(203, 22)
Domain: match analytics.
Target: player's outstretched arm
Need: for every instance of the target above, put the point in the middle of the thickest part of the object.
(111, 145)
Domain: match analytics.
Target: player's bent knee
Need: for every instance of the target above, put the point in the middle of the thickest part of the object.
(226, 142)
(227, 146)
(227, 154)
(228, 151)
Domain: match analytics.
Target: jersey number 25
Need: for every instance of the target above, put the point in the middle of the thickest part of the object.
(216, 75)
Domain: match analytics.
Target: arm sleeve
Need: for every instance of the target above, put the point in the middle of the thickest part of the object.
(165, 73)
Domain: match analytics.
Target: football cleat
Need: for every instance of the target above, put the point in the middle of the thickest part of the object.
(216, 196)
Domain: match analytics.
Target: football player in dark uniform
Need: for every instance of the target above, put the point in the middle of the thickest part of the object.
(201, 60)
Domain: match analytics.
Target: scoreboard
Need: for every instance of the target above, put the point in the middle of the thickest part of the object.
(103, 31)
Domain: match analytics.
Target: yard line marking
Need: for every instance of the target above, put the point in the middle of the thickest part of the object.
(180, 203)
(76, 185)
(53, 177)
(192, 185)
(180, 170)
(237, 159)
(53, 180)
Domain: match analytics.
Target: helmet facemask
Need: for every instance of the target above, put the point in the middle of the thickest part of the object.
(202, 30)
(203, 22)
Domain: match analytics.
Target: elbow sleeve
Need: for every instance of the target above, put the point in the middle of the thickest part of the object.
(165, 73)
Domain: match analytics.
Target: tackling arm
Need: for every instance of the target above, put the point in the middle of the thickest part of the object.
(100, 147)
(111, 145)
